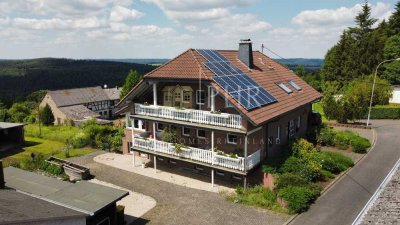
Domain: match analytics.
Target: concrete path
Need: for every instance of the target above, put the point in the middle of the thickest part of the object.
(344, 201)
(178, 205)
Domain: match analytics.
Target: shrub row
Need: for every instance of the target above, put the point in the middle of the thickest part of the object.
(385, 112)
(343, 140)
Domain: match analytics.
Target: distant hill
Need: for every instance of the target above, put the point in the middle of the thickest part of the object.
(21, 77)
(292, 63)
(309, 64)
(140, 61)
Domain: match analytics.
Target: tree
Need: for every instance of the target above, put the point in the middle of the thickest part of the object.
(364, 21)
(131, 80)
(392, 51)
(394, 21)
(3, 112)
(300, 71)
(20, 110)
(46, 116)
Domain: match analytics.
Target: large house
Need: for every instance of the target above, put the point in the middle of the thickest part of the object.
(80, 104)
(229, 110)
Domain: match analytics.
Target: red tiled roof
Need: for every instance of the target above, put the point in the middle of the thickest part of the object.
(266, 72)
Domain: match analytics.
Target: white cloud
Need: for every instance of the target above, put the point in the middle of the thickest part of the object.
(120, 13)
(56, 23)
(210, 14)
(342, 16)
(4, 21)
(190, 28)
(193, 5)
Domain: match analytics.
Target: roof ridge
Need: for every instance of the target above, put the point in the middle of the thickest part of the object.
(163, 65)
(75, 88)
(198, 63)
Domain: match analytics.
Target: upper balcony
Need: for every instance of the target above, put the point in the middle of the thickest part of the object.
(190, 115)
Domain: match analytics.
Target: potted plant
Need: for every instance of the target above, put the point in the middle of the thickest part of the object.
(146, 104)
(179, 148)
(216, 112)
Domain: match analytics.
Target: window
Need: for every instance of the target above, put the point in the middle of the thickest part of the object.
(159, 127)
(201, 133)
(186, 131)
(177, 95)
(278, 132)
(187, 96)
(200, 97)
(231, 138)
(293, 84)
(167, 97)
(138, 124)
(285, 88)
(105, 113)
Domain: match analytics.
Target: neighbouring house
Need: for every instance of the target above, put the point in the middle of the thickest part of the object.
(52, 201)
(11, 135)
(230, 110)
(396, 95)
(80, 104)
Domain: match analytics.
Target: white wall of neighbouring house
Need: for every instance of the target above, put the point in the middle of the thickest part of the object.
(396, 96)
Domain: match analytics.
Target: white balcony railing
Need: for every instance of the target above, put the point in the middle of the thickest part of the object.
(190, 115)
(196, 154)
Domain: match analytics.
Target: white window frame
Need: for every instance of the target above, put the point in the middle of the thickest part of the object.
(200, 137)
(298, 122)
(157, 128)
(197, 97)
(140, 125)
(233, 142)
(183, 131)
(183, 97)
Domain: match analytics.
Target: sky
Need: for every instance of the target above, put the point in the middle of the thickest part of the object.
(165, 28)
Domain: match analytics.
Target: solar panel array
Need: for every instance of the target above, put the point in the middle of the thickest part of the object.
(235, 82)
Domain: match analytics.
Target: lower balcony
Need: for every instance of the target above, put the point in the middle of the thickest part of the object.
(202, 156)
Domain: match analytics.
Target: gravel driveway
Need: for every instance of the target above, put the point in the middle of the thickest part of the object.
(181, 205)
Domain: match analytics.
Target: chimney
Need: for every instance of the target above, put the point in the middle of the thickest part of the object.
(2, 182)
(246, 52)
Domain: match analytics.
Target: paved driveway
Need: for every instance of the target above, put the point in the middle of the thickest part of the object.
(343, 202)
(181, 205)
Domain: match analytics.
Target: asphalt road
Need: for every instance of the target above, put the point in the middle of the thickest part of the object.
(344, 201)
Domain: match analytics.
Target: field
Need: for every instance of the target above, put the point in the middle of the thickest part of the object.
(52, 142)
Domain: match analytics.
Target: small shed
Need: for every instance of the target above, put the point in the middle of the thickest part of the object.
(11, 133)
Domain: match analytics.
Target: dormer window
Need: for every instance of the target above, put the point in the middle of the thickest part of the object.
(285, 88)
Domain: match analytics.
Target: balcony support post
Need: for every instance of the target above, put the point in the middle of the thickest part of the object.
(212, 99)
(133, 159)
(127, 120)
(245, 153)
(212, 177)
(155, 164)
(155, 94)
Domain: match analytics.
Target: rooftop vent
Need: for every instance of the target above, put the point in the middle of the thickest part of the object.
(246, 52)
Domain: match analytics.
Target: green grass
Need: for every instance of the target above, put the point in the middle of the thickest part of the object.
(54, 133)
(318, 107)
(32, 145)
(75, 152)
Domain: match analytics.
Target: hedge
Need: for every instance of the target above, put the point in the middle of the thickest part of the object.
(385, 112)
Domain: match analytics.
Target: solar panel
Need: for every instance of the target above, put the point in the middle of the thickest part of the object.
(285, 88)
(297, 87)
(235, 82)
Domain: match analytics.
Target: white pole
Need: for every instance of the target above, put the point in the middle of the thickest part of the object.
(245, 153)
(155, 94)
(212, 177)
(373, 86)
(155, 164)
(212, 99)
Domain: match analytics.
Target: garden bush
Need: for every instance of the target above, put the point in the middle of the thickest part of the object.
(298, 198)
(385, 112)
(360, 145)
(290, 179)
(342, 140)
(257, 196)
(343, 162)
(80, 140)
(301, 167)
(326, 137)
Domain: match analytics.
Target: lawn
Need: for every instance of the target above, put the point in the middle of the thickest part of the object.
(318, 107)
(55, 133)
(75, 153)
(32, 145)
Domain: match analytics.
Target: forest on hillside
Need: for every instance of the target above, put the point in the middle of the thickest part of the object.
(19, 78)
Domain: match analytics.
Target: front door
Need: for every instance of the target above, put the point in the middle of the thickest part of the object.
(177, 99)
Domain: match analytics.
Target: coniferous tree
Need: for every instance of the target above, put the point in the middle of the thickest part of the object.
(394, 21)
(46, 116)
(131, 80)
